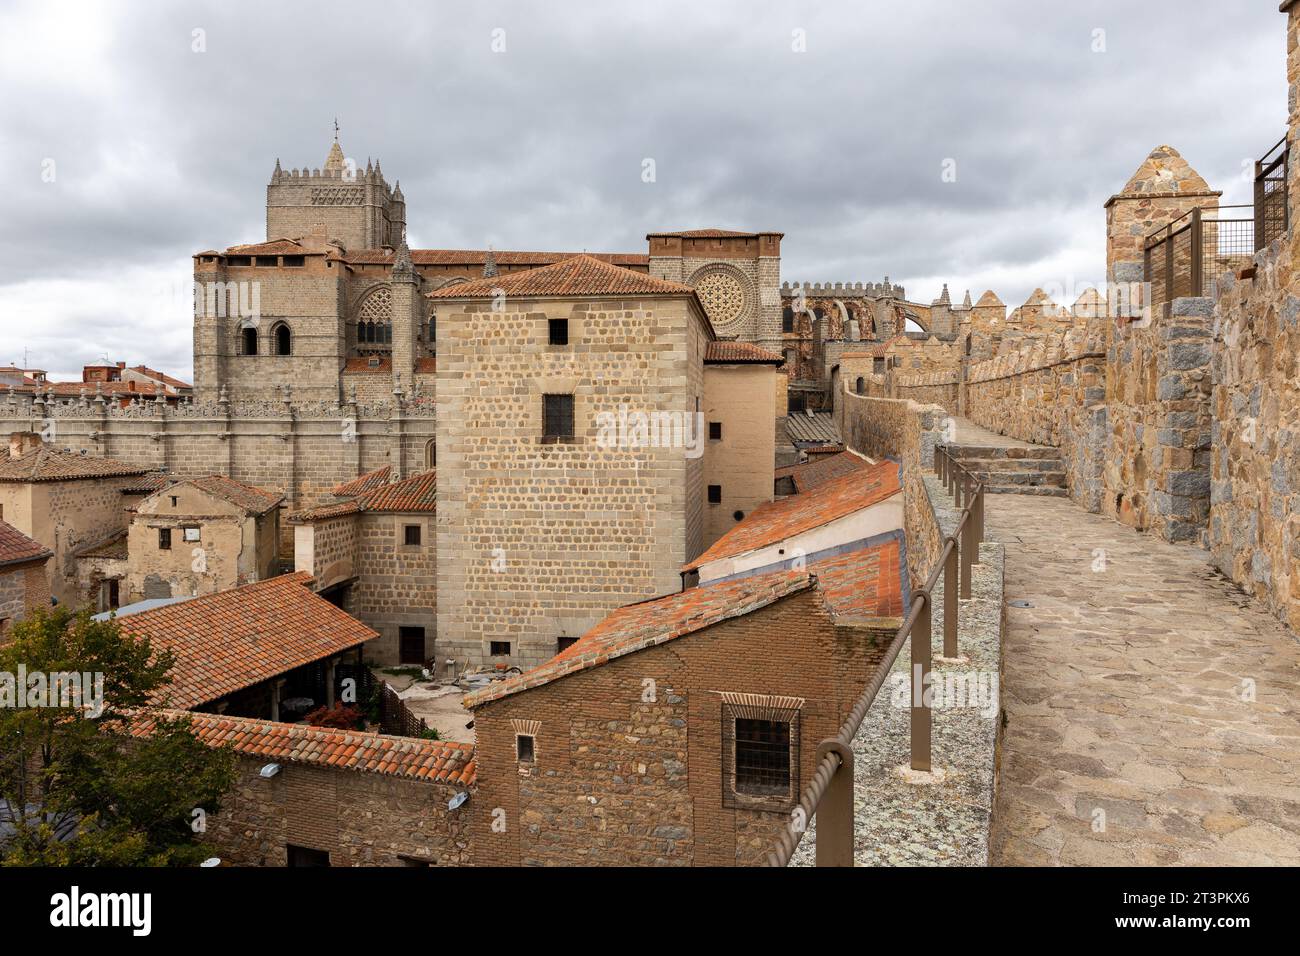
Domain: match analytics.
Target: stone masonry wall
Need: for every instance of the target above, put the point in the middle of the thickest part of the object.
(360, 819)
(906, 432)
(1254, 532)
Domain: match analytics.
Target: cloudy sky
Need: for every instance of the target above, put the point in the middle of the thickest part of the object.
(128, 140)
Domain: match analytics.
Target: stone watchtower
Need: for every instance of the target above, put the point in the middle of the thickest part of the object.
(737, 275)
(352, 205)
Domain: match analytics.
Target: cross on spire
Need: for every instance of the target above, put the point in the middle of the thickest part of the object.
(336, 129)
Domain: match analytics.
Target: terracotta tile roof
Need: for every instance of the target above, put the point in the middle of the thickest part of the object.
(362, 483)
(428, 364)
(113, 547)
(810, 474)
(149, 483)
(578, 276)
(362, 364)
(478, 257)
(160, 376)
(651, 623)
(710, 234)
(831, 449)
(778, 520)
(47, 464)
(438, 761)
(818, 428)
(273, 247)
(234, 639)
(17, 548)
(861, 587)
(730, 353)
(254, 500)
(417, 494)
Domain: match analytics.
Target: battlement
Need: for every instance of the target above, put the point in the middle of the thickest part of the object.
(868, 290)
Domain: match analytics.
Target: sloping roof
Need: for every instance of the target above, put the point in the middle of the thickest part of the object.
(861, 587)
(234, 639)
(650, 623)
(149, 482)
(477, 257)
(363, 364)
(410, 757)
(17, 548)
(810, 474)
(709, 234)
(273, 247)
(47, 464)
(818, 428)
(113, 547)
(247, 497)
(362, 483)
(578, 276)
(732, 353)
(778, 520)
(160, 376)
(417, 494)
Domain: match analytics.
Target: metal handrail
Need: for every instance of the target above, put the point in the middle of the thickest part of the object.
(829, 793)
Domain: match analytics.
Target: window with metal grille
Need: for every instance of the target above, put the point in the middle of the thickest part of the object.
(411, 535)
(762, 757)
(715, 494)
(165, 538)
(559, 330)
(715, 431)
(557, 416)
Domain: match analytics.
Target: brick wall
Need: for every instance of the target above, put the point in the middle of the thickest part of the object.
(624, 780)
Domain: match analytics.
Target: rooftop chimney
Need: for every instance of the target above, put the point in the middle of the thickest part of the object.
(20, 443)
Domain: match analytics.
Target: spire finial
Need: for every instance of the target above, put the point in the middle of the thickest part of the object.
(336, 129)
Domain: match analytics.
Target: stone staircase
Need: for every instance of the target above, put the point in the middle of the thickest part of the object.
(1009, 470)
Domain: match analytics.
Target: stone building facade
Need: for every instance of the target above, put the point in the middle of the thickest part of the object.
(570, 453)
(633, 748)
(24, 585)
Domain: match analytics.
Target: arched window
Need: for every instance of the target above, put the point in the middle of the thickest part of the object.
(787, 319)
(433, 332)
(248, 336)
(430, 453)
(283, 340)
(862, 385)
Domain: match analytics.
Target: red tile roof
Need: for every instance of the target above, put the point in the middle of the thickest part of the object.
(47, 464)
(778, 520)
(234, 639)
(810, 474)
(862, 587)
(730, 353)
(578, 276)
(651, 623)
(427, 363)
(478, 257)
(113, 547)
(273, 247)
(438, 761)
(362, 364)
(254, 500)
(834, 448)
(149, 483)
(17, 548)
(417, 494)
(710, 234)
(362, 483)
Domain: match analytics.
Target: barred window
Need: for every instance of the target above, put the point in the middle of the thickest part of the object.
(762, 757)
(557, 416)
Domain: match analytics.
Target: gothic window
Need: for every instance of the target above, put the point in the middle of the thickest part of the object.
(374, 319)
(433, 333)
(283, 339)
(248, 340)
(430, 453)
(787, 319)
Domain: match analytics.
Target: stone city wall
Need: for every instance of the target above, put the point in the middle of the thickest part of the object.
(1254, 530)
(906, 432)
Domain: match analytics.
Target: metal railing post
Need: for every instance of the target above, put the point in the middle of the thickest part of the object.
(920, 638)
(835, 812)
(950, 602)
(967, 549)
(1198, 252)
(978, 515)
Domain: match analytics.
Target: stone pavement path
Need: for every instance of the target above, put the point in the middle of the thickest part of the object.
(1130, 735)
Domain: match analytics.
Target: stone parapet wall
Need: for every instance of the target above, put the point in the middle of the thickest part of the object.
(1157, 452)
(1254, 528)
(906, 432)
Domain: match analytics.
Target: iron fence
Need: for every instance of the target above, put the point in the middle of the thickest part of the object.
(829, 793)
(1186, 257)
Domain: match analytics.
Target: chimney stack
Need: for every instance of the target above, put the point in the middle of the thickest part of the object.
(20, 443)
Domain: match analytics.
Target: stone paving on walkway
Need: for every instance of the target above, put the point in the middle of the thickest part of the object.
(1151, 707)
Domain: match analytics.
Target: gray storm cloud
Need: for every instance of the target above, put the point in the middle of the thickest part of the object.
(161, 151)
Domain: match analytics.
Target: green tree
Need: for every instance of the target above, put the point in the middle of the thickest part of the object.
(127, 801)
